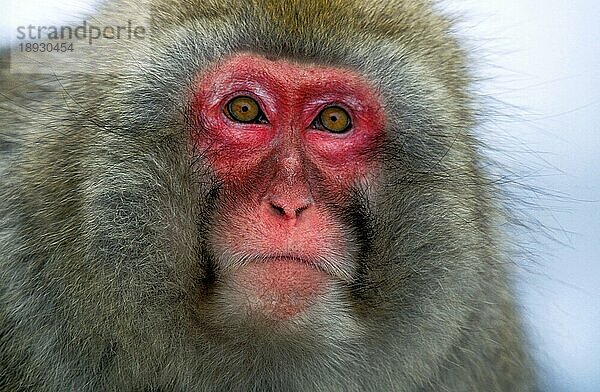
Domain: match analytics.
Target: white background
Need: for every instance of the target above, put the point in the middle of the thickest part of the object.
(541, 61)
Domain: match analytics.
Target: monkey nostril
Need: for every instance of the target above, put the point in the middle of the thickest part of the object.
(279, 210)
(289, 209)
(303, 205)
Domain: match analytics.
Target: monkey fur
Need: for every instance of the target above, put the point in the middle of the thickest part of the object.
(107, 273)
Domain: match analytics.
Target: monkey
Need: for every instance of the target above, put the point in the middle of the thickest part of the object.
(263, 195)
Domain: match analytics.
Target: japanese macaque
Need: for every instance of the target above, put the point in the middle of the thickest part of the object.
(263, 196)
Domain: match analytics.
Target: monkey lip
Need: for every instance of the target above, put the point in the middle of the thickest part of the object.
(281, 287)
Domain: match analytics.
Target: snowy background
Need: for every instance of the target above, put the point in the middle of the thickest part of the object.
(540, 68)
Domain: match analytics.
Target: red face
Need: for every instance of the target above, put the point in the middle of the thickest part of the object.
(287, 142)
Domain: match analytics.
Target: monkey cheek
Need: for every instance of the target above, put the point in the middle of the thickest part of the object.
(279, 288)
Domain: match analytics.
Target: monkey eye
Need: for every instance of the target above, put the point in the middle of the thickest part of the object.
(333, 119)
(245, 109)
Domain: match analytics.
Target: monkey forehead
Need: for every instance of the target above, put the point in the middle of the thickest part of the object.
(290, 80)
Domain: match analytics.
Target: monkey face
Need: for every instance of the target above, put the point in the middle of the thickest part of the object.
(288, 144)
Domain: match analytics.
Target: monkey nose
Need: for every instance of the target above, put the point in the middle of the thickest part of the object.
(289, 207)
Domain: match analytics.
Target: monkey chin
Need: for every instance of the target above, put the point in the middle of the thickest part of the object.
(279, 288)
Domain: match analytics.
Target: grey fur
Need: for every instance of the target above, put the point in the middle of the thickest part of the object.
(104, 216)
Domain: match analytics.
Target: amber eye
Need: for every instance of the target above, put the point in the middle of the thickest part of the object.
(244, 109)
(335, 119)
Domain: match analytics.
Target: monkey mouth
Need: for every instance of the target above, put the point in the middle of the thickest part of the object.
(281, 286)
(291, 258)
